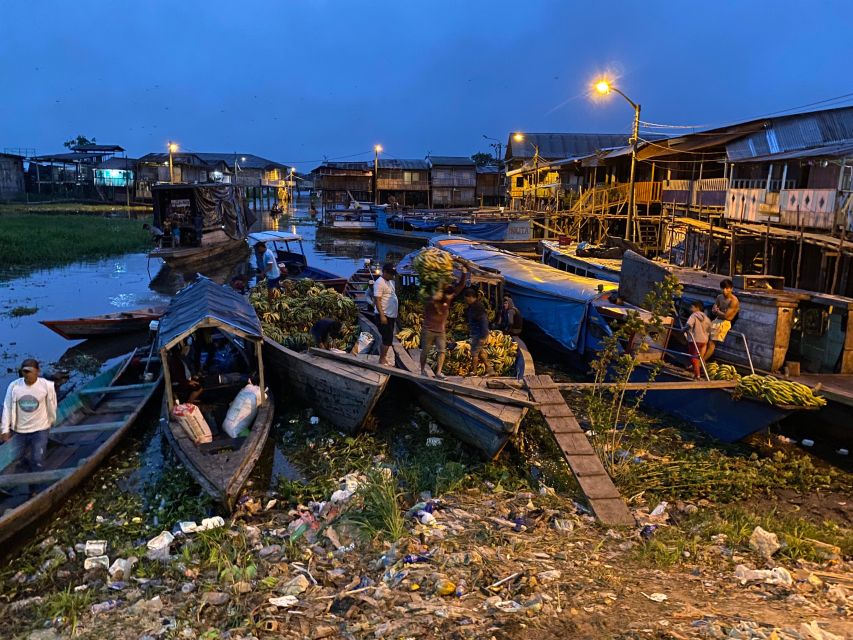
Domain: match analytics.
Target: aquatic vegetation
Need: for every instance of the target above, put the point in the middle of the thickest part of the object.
(19, 312)
(34, 241)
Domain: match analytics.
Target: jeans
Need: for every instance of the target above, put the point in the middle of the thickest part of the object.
(33, 447)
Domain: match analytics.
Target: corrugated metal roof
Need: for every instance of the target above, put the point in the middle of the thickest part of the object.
(117, 163)
(344, 166)
(840, 150)
(450, 161)
(411, 165)
(797, 132)
(88, 148)
(488, 168)
(251, 161)
(553, 146)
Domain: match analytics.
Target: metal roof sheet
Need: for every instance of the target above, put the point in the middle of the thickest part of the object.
(117, 163)
(450, 161)
(553, 146)
(206, 304)
(411, 165)
(88, 148)
(844, 149)
(251, 161)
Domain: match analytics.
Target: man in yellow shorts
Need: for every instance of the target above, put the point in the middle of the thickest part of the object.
(725, 308)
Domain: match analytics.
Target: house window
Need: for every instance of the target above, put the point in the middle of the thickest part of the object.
(519, 182)
(411, 176)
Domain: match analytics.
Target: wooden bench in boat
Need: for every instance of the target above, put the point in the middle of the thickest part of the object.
(142, 386)
(36, 477)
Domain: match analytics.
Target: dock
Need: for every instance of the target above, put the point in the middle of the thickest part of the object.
(604, 498)
(836, 387)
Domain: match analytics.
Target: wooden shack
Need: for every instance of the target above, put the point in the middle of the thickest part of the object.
(403, 183)
(453, 181)
(340, 182)
(12, 183)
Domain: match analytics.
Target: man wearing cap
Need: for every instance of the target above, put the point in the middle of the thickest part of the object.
(267, 265)
(29, 411)
(385, 300)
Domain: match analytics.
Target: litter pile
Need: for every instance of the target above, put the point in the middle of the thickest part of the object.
(291, 313)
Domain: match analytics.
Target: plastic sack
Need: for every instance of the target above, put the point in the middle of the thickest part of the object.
(189, 417)
(364, 342)
(242, 411)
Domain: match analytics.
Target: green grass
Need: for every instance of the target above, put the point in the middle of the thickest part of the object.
(32, 241)
(70, 207)
(67, 604)
(19, 312)
(380, 516)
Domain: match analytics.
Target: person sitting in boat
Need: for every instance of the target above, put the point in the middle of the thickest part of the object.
(511, 319)
(29, 410)
(478, 328)
(697, 331)
(724, 312)
(434, 332)
(186, 385)
(324, 331)
(267, 264)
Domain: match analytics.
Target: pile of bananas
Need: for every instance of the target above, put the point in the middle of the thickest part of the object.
(500, 350)
(434, 268)
(293, 310)
(776, 392)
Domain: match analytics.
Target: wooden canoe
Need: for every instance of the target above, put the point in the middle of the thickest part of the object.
(341, 393)
(182, 258)
(108, 324)
(90, 423)
(484, 424)
(220, 467)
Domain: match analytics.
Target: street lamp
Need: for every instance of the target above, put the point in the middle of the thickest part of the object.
(376, 150)
(497, 145)
(290, 183)
(173, 147)
(519, 137)
(604, 87)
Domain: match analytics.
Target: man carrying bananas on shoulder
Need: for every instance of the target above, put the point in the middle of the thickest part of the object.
(434, 332)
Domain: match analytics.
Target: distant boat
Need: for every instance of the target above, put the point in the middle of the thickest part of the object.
(285, 245)
(565, 258)
(352, 221)
(488, 226)
(90, 423)
(201, 222)
(222, 466)
(108, 324)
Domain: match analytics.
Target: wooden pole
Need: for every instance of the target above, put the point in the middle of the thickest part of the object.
(732, 257)
(766, 244)
(838, 261)
(799, 249)
(261, 383)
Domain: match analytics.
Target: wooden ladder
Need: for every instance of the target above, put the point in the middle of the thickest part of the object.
(603, 496)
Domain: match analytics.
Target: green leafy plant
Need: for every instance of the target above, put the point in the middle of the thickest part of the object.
(380, 515)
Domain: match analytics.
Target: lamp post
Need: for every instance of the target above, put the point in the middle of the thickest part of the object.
(376, 150)
(172, 149)
(497, 145)
(604, 87)
(290, 183)
(519, 137)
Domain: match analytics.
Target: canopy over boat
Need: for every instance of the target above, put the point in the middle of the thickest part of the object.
(207, 304)
(556, 301)
(218, 206)
(273, 236)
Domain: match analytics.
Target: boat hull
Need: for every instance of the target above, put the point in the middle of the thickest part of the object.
(341, 393)
(17, 519)
(106, 325)
(185, 257)
(714, 411)
(222, 474)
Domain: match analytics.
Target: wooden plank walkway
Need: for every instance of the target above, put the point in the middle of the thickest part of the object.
(603, 496)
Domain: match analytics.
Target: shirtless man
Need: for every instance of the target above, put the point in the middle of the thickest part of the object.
(725, 308)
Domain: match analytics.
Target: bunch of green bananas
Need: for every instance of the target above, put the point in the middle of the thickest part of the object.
(779, 392)
(289, 315)
(434, 268)
(718, 371)
(500, 349)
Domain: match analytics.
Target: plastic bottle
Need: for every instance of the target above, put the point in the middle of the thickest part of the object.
(106, 605)
(414, 558)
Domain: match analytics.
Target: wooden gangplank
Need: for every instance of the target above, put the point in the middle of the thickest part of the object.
(604, 498)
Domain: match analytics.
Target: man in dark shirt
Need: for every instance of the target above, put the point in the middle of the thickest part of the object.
(478, 328)
(324, 331)
(434, 332)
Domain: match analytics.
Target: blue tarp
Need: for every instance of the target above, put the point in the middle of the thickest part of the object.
(556, 302)
(424, 225)
(484, 230)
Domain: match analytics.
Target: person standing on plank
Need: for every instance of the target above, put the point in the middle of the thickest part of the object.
(434, 332)
(267, 264)
(698, 328)
(386, 303)
(478, 328)
(29, 411)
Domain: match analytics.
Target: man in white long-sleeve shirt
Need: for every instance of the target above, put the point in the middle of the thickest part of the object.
(29, 412)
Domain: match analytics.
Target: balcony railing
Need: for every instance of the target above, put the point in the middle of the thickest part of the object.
(398, 184)
(454, 181)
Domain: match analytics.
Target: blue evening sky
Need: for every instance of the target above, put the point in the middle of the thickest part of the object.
(297, 80)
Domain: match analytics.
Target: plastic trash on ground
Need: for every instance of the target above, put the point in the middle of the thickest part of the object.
(777, 575)
(158, 547)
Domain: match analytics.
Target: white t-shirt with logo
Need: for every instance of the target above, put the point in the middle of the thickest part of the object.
(29, 407)
(387, 290)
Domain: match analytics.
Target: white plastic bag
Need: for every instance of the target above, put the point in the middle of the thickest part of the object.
(365, 341)
(242, 411)
(190, 418)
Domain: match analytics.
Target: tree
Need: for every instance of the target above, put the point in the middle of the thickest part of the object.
(482, 159)
(78, 141)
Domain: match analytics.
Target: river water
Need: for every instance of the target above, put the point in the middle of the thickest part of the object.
(133, 281)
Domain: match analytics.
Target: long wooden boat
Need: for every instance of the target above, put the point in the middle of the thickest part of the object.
(339, 392)
(485, 424)
(222, 466)
(184, 258)
(90, 423)
(108, 324)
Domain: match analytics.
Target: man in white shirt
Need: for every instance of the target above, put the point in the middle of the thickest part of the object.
(267, 263)
(385, 301)
(29, 412)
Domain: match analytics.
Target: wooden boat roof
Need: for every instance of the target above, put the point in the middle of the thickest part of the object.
(207, 304)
